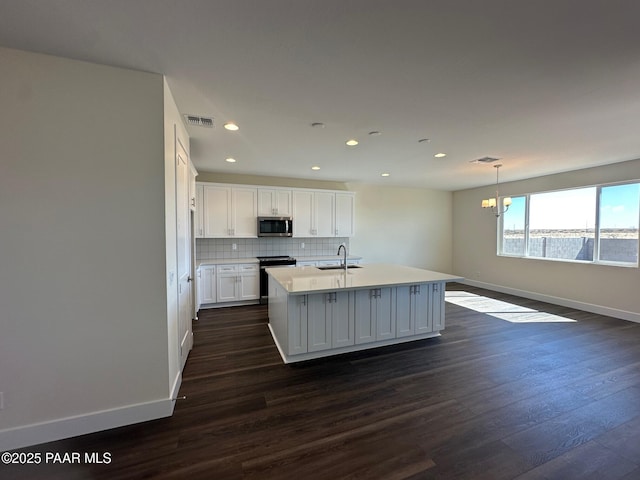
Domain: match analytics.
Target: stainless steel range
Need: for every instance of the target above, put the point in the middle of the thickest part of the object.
(268, 262)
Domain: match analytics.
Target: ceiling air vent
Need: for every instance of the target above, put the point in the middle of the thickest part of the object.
(198, 121)
(485, 160)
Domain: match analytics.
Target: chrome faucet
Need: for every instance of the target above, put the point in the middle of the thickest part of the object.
(343, 246)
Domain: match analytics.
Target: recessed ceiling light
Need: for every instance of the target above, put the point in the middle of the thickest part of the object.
(352, 142)
(230, 160)
(315, 167)
(440, 155)
(375, 133)
(231, 126)
(385, 174)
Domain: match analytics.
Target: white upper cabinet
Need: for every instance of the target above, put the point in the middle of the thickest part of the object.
(321, 213)
(345, 213)
(229, 211)
(199, 216)
(216, 203)
(224, 211)
(244, 212)
(274, 202)
(324, 214)
(303, 213)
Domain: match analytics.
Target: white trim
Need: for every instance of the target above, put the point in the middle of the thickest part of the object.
(38, 433)
(565, 302)
(351, 348)
(176, 386)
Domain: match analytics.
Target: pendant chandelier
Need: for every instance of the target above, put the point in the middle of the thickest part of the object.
(494, 203)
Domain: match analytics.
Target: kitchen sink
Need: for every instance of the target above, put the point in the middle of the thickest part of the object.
(337, 267)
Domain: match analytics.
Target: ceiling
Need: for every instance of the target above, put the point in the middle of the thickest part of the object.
(547, 86)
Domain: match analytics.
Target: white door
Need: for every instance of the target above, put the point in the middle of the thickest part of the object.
(184, 252)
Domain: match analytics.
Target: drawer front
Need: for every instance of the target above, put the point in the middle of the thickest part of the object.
(251, 267)
(228, 269)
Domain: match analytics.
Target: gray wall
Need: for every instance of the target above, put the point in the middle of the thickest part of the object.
(475, 237)
(83, 317)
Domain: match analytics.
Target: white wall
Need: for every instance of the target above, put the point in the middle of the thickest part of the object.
(607, 289)
(406, 226)
(83, 316)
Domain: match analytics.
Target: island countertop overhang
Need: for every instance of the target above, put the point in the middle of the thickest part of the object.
(309, 280)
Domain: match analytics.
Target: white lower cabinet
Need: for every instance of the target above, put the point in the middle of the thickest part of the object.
(207, 285)
(333, 320)
(249, 282)
(374, 315)
(412, 310)
(437, 305)
(330, 320)
(307, 263)
(238, 282)
(297, 324)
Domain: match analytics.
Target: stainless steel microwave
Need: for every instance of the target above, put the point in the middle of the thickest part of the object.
(275, 227)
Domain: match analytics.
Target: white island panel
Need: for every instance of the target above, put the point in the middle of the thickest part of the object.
(315, 313)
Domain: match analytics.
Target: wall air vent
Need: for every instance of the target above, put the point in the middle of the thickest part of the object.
(485, 160)
(198, 121)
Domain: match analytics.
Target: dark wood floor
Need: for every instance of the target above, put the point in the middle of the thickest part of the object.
(490, 399)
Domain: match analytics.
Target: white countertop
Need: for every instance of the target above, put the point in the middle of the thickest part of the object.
(301, 280)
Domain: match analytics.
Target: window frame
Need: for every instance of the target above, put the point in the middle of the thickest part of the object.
(596, 241)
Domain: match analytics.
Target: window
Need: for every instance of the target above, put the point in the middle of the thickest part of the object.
(592, 224)
(513, 241)
(562, 224)
(619, 222)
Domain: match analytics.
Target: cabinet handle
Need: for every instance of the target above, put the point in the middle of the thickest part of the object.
(303, 300)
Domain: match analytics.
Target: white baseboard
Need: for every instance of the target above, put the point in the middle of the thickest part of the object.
(176, 387)
(565, 302)
(19, 437)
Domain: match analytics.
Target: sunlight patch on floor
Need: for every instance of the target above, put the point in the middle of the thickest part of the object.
(502, 310)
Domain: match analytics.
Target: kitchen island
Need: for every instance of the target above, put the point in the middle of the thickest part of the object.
(316, 313)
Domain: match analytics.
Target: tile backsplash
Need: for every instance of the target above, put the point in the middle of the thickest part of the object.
(217, 248)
